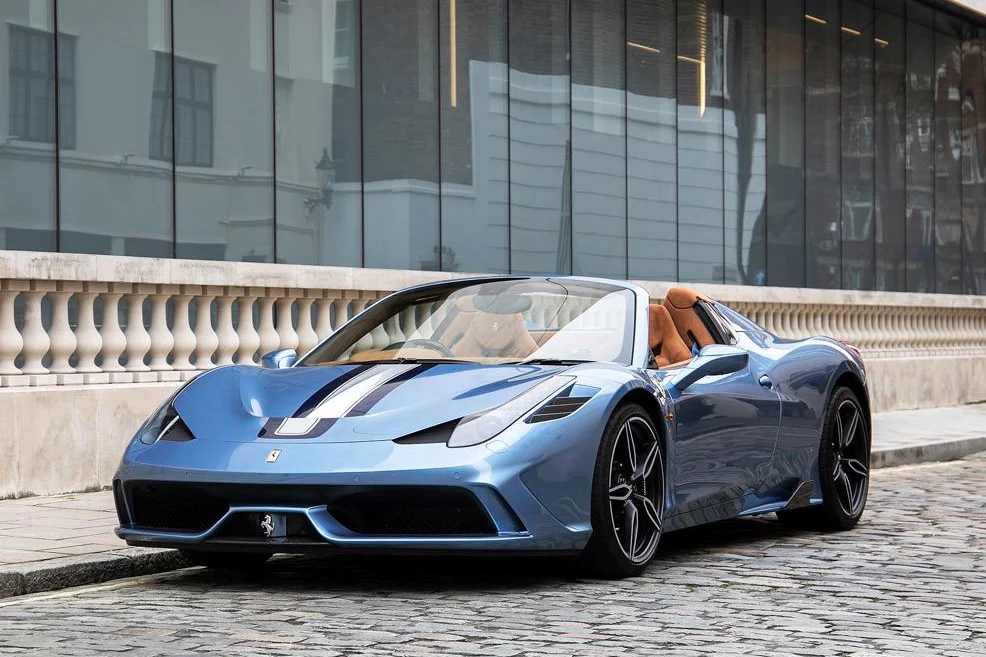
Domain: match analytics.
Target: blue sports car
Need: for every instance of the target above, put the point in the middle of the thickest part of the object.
(552, 415)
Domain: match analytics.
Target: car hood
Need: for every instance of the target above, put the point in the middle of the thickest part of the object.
(344, 403)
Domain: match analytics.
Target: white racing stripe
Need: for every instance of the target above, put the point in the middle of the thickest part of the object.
(339, 402)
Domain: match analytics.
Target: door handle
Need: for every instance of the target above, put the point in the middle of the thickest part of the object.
(766, 382)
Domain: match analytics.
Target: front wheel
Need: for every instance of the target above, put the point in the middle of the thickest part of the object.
(627, 496)
(843, 468)
(226, 560)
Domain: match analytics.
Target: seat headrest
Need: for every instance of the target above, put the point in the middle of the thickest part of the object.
(683, 297)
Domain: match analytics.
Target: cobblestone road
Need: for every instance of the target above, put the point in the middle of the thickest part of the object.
(910, 580)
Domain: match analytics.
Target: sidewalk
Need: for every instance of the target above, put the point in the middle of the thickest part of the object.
(67, 540)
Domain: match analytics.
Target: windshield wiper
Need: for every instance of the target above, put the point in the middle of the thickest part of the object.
(552, 361)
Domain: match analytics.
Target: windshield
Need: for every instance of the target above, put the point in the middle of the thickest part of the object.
(493, 322)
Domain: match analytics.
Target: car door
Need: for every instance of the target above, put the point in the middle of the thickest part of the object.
(726, 431)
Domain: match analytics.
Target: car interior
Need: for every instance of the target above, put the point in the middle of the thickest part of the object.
(680, 327)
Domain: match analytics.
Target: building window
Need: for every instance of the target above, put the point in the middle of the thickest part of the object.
(32, 86)
(193, 108)
(345, 43)
(160, 146)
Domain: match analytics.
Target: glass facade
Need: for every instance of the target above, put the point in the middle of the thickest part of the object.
(818, 143)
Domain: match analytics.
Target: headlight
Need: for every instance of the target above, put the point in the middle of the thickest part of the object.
(160, 421)
(479, 428)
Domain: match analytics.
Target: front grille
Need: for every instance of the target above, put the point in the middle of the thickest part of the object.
(412, 512)
(174, 507)
(396, 511)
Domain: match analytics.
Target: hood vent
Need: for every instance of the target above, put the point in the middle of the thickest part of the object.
(558, 408)
(437, 434)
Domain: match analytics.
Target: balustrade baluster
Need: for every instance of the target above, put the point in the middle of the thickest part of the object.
(307, 337)
(162, 341)
(11, 341)
(269, 339)
(227, 341)
(206, 340)
(63, 342)
(88, 343)
(138, 339)
(285, 323)
(247, 336)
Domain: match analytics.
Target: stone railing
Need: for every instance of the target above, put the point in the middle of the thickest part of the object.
(68, 319)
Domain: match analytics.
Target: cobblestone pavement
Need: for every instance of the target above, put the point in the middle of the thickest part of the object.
(910, 580)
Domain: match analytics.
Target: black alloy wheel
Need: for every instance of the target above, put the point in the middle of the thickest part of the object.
(843, 468)
(628, 496)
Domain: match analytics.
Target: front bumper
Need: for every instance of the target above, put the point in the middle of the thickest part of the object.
(531, 492)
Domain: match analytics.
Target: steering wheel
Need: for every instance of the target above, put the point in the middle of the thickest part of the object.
(425, 343)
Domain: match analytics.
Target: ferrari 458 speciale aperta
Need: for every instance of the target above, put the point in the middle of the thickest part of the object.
(552, 415)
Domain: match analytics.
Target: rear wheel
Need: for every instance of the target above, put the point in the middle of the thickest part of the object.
(627, 496)
(227, 560)
(843, 468)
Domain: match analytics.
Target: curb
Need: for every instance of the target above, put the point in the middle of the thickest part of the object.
(66, 572)
(55, 574)
(948, 450)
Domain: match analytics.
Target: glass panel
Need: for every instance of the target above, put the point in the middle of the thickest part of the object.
(317, 116)
(745, 144)
(400, 134)
(115, 192)
(27, 148)
(890, 149)
(974, 162)
(857, 146)
(599, 139)
(224, 143)
(475, 147)
(540, 132)
(652, 192)
(700, 141)
(920, 158)
(785, 252)
(948, 164)
(823, 146)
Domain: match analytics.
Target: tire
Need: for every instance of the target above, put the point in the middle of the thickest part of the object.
(843, 468)
(227, 560)
(627, 497)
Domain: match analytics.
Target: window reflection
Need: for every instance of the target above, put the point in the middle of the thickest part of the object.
(223, 130)
(890, 136)
(475, 178)
(652, 193)
(317, 128)
(27, 148)
(920, 159)
(974, 162)
(857, 208)
(948, 163)
(700, 141)
(783, 259)
(598, 139)
(115, 189)
(745, 165)
(540, 131)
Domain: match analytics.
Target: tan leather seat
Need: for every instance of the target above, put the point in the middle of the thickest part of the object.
(490, 334)
(666, 345)
(680, 303)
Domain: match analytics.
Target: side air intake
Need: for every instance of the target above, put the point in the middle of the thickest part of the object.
(560, 407)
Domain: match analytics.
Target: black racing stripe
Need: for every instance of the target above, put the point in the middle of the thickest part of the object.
(328, 389)
(372, 399)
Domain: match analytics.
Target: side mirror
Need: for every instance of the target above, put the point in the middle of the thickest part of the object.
(279, 359)
(712, 360)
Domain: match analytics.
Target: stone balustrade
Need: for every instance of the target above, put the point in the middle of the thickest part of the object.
(76, 319)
